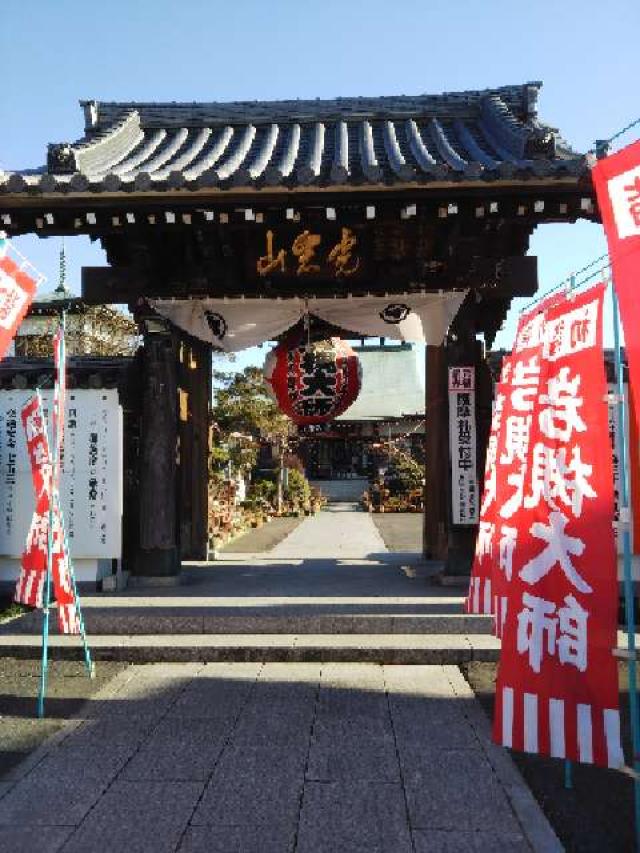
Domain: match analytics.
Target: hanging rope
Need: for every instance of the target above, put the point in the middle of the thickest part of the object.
(604, 143)
(571, 281)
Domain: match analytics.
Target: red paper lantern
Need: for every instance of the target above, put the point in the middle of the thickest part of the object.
(315, 382)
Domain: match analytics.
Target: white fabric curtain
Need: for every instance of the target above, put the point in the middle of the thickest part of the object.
(235, 324)
(419, 317)
(232, 324)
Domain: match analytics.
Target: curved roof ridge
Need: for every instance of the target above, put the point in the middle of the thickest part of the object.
(480, 134)
(521, 98)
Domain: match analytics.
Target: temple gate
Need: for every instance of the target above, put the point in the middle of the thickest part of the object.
(389, 196)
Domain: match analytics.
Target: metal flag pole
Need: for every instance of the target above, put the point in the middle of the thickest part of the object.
(568, 765)
(47, 603)
(626, 552)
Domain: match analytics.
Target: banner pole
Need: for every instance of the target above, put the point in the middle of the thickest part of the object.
(626, 552)
(63, 367)
(47, 590)
(568, 774)
(90, 665)
(568, 765)
(45, 641)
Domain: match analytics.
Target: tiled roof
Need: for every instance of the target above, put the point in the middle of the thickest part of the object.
(475, 135)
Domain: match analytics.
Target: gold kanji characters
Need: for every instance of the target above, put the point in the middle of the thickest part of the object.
(341, 256)
(304, 248)
(270, 262)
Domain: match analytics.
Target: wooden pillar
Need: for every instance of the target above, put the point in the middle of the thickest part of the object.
(437, 488)
(194, 398)
(442, 540)
(158, 551)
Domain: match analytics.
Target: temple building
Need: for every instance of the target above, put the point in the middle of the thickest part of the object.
(91, 330)
(390, 407)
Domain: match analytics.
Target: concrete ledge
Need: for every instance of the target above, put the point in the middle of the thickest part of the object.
(461, 581)
(268, 648)
(200, 620)
(154, 581)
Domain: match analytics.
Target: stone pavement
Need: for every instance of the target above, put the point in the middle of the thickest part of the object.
(339, 531)
(273, 758)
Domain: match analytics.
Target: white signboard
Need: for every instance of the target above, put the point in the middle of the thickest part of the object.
(462, 442)
(91, 484)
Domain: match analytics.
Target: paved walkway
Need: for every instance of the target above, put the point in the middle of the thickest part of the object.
(274, 758)
(339, 531)
(295, 757)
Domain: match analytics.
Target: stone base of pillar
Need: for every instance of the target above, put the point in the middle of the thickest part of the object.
(459, 559)
(456, 581)
(156, 563)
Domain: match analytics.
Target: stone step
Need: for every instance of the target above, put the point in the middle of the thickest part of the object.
(212, 621)
(268, 648)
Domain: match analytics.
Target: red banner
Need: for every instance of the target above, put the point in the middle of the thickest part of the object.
(68, 618)
(17, 290)
(30, 585)
(29, 589)
(557, 689)
(507, 459)
(617, 183)
(522, 382)
(480, 598)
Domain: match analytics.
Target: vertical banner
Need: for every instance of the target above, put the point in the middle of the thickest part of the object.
(557, 689)
(480, 597)
(521, 387)
(68, 616)
(30, 585)
(462, 441)
(17, 290)
(617, 183)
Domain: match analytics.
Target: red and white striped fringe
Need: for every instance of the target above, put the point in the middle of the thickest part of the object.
(68, 619)
(480, 600)
(30, 587)
(561, 729)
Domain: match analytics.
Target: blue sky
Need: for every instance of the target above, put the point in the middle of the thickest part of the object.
(54, 53)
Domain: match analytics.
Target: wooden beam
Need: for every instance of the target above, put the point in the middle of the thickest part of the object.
(113, 285)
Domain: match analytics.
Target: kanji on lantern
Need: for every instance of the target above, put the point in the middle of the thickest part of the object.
(313, 383)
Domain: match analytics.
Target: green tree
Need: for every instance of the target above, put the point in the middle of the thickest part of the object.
(242, 404)
(244, 413)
